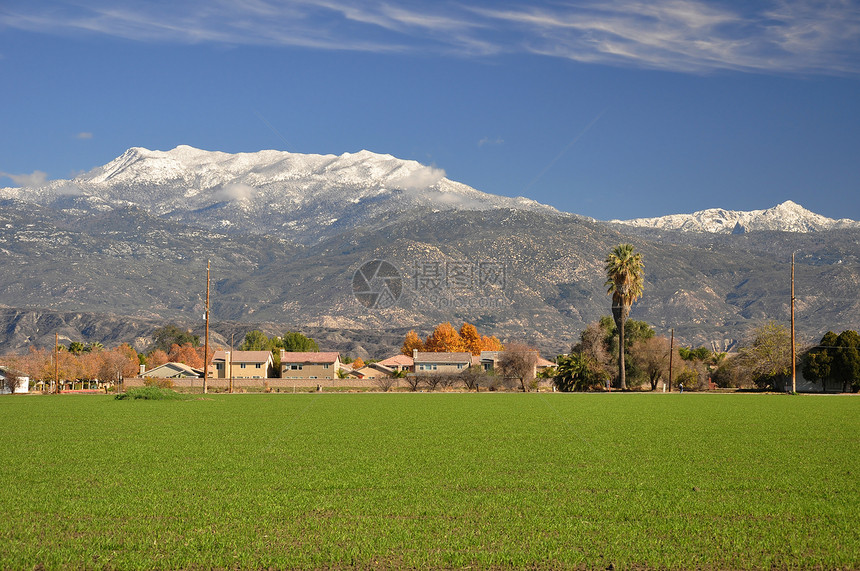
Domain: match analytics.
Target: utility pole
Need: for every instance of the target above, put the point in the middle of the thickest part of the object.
(671, 356)
(793, 348)
(230, 362)
(206, 342)
(57, 361)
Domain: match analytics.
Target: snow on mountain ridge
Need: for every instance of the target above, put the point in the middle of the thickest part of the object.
(787, 217)
(267, 191)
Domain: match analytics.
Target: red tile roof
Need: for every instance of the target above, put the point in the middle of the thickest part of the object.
(309, 357)
(243, 356)
(400, 360)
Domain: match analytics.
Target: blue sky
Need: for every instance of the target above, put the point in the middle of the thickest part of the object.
(610, 108)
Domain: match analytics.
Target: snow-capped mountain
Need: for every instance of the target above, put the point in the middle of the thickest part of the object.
(787, 217)
(299, 196)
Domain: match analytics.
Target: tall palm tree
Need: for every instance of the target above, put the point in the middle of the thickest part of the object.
(626, 280)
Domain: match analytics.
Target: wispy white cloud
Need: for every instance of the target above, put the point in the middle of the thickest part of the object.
(36, 178)
(417, 179)
(84, 135)
(491, 141)
(234, 191)
(782, 36)
(695, 36)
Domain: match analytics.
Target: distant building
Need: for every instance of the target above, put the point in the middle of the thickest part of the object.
(172, 371)
(373, 371)
(310, 364)
(23, 381)
(398, 363)
(489, 361)
(243, 365)
(427, 363)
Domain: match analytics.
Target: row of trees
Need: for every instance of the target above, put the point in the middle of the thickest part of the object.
(445, 338)
(836, 359)
(106, 365)
(592, 361)
(765, 362)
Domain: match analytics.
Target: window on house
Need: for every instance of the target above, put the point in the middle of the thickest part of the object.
(259, 366)
(242, 366)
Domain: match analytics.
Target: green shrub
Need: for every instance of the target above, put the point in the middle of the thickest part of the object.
(157, 382)
(148, 393)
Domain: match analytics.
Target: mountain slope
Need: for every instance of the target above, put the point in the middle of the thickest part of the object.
(126, 262)
(786, 217)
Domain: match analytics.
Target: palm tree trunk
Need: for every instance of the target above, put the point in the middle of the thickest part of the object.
(621, 369)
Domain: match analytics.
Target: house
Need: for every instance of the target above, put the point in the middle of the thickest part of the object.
(310, 364)
(23, 381)
(242, 365)
(171, 371)
(398, 363)
(489, 361)
(426, 363)
(373, 371)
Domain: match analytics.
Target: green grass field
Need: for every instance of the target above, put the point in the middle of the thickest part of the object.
(487, 481)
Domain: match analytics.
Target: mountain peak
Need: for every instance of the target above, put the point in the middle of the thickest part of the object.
(787, 216)
(303, 196)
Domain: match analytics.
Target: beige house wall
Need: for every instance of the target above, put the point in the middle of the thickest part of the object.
(250, 371)
(441, 368)
(311, 372)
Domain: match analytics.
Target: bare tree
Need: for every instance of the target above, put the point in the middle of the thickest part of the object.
(448, 381)
(518, 362)
(652, 358)
(385, 382)
(593, 345)
(11, 380)
(432, 381)
(474, 377)
(413, 382)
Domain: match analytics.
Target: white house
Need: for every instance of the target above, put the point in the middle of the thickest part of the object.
(23, 381)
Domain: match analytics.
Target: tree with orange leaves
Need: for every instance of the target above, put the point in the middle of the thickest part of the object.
(444, 339)
(156, 359)
(187, 354)
(90, 363)
(358, 363)
(491, 343)
(411, 342)
(447, 339)
(471, 339)
(116, 364)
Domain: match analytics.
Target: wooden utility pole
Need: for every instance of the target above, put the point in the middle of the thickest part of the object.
(57, 361)
(206, 341)
(793, 349)
(230, 362)
(671, 356)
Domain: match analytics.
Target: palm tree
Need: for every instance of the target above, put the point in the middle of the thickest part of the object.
(626, 280)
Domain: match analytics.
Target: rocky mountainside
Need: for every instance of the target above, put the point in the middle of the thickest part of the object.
(120, 250)
(786, 217)
(520, 275)
(300, 197)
